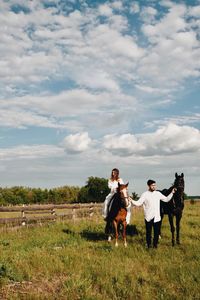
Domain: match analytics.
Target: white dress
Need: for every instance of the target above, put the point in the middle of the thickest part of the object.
(113, 184)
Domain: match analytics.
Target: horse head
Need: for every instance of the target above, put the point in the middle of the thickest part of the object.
(122, 190)
(179, 182)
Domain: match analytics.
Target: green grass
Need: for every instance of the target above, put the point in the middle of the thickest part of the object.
(72, 260)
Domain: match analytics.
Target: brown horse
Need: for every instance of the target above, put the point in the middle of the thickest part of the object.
(117, 212)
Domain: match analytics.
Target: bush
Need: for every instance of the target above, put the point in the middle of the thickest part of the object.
(95, 190)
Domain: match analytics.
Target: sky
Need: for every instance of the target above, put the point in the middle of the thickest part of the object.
(87, 86)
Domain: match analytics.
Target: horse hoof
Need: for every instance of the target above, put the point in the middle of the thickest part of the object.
(160, 237)
(125, 245)
(178, 242)
(173, 244)
(116, 245)
(109, 239)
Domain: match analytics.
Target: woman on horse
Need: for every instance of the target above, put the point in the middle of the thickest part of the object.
(113, 185)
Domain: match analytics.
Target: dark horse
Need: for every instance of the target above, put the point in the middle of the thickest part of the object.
(174, 207)
(117, 212)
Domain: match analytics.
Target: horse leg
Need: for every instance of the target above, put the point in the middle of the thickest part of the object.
(124, 233)
(116, 232)
(178, 219)
(108, 229)
(171, 222)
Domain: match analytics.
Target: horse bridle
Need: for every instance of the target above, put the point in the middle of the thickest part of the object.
(127, 199)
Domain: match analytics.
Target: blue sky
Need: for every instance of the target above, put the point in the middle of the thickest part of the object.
(86, 86)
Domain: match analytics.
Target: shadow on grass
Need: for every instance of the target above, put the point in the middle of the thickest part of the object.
(69, 231)
(93, 235)
(87, 234)
(101, 236)
(131, 230)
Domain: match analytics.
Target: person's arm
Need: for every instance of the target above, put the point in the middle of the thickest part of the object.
(139, 202)
(120, 180)
(166, 198)
(111, 186)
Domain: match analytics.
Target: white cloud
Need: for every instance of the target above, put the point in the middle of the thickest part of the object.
(76, 143)
(174, 52)
(21, 119)
(194, 11)
(179, 120)
(148, 14)
(60, 105)
(105, 10)
(56, 111)
(76, 46)
(135, 8)
(152, 90)
(168, 140)
(31, 152)
(173, 21)
(117, 5)
(172, 139)
(122, 145)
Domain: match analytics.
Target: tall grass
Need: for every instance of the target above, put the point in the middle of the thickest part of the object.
(72, 260)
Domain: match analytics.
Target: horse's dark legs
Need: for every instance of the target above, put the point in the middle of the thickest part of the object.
(171, 222)
(108, 229)
(116, 232)
(124, 233)
(178, 219)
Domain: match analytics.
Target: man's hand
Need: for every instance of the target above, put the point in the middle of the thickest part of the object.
(174, 190)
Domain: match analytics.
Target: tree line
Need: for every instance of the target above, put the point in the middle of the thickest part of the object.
(95, 190)
(26, 195)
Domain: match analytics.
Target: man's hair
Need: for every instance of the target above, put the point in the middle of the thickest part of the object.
(150, 182)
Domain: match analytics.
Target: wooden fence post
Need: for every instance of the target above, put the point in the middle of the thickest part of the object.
(73, 214)
(91, 210)
(53, 212)
(23, 216)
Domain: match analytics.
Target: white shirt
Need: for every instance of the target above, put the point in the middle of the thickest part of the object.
(151, 204)
(113, 185)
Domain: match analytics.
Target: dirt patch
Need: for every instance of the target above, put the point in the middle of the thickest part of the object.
(37, 289)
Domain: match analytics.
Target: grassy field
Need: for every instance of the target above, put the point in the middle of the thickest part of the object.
(72, 260)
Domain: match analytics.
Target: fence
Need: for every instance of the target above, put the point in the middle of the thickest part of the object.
(40, 213)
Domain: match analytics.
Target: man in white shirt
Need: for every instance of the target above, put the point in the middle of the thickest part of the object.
(151, 204)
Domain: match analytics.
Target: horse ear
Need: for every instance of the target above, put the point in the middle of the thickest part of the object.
(176, 175)
(118, 184)
(182, 175)
(127, 184)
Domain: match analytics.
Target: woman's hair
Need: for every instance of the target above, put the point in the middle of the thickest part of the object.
(114, 170)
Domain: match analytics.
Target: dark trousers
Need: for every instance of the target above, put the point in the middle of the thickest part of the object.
(156, 229)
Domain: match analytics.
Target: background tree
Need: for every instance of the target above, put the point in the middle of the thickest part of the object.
(95, 190)
(135, 196)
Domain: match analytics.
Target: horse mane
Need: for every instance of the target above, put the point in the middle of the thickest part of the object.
(177, 201)
(115, 205)
(179, 184)
(166, 192)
